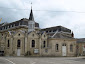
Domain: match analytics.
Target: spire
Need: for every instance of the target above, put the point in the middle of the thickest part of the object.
(72, 34)
(31, 17)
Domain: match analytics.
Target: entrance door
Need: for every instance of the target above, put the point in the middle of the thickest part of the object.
(64, 50)
(18, 47)
(18, 52)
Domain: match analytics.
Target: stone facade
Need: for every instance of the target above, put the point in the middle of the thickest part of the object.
(81, 46)
(25, 38)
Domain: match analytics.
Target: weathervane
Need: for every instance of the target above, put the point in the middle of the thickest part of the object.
(31, 5)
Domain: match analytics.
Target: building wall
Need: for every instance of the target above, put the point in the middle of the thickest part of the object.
(52, 48)
(81, 48)
(26, 42)
(35, 37)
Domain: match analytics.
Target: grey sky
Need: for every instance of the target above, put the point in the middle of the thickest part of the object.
(72, 20)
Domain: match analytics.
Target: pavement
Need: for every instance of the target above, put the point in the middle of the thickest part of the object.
(4, 61)
(42, 60)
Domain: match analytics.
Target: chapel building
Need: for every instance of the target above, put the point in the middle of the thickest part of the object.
(25, 38)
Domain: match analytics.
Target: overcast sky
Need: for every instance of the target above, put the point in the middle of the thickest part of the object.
(52, 13)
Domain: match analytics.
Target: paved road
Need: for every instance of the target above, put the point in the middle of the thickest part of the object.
(4, 61)
(42, 60)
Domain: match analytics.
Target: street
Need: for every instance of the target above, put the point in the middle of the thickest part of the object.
(42, 60)
(4, 61)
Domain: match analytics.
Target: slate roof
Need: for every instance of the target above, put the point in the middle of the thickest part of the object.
(59, 28)
(61, 32)
(23, 21)
(81, 40)
(58, 35)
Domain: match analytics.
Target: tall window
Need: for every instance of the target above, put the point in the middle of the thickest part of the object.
(33, 43)
(57, 47)
(71, 48)
(8, 44)
(44, 44)
(18, 43)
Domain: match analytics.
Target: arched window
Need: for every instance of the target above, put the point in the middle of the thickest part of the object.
(33, 43)
(18, 43)
(44, 44)
(71, 48)
(8, 44)
(57, 47)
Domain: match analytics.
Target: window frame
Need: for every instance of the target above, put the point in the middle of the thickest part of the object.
(33, 43)
(18, 43)
(57, 47)
(8, 43)
(44, 44)
(71, 47)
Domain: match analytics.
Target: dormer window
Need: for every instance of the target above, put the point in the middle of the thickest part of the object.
(54, 30)
(50, 31)
(19, 23)
(12, 25)
(4, 27)
(59, 29)
(8, 26)
(46, 31)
